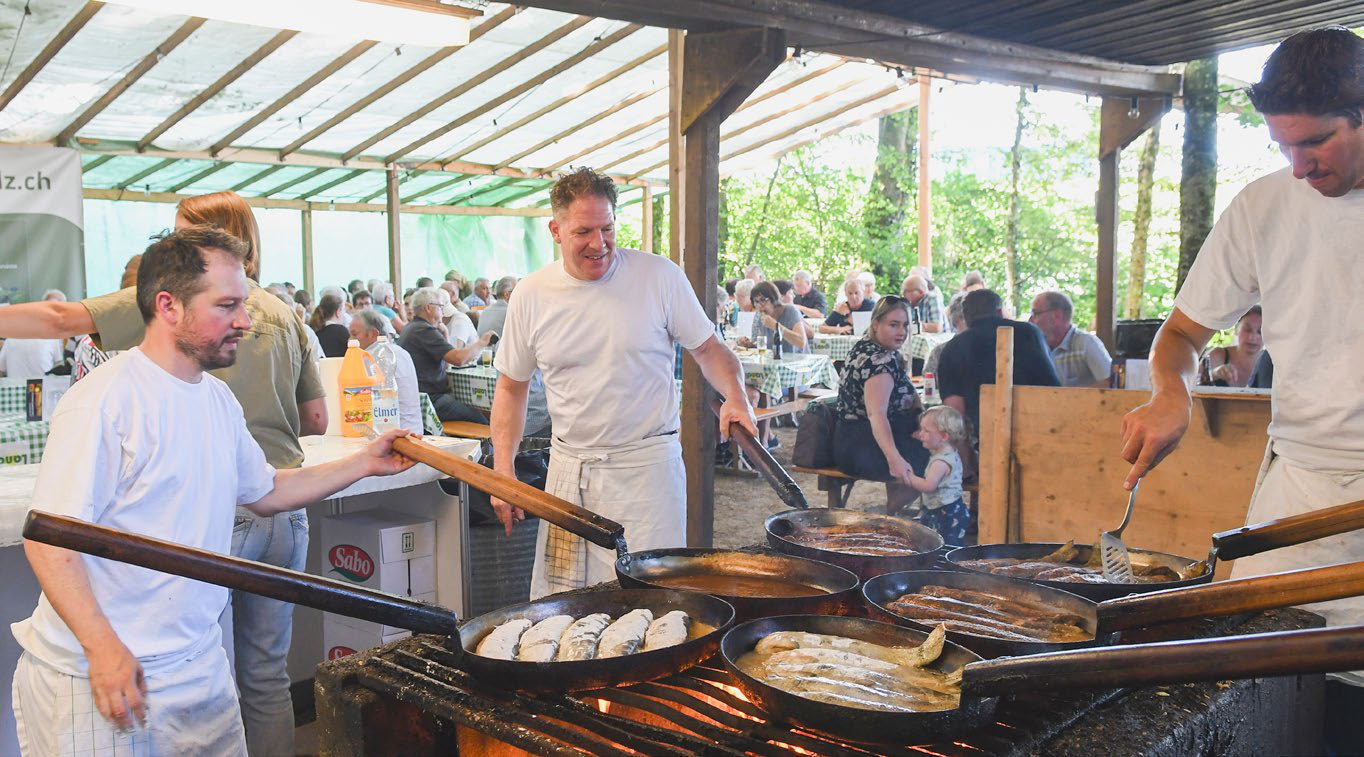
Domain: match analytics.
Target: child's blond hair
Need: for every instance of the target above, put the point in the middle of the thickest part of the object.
(948, 421)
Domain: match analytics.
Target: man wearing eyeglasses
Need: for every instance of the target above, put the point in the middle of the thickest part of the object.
(926, 310)
(1080, 358)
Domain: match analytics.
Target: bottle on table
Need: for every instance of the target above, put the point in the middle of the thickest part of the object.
(359, 383)
(386, 413)
(930, 388)
(776, 344)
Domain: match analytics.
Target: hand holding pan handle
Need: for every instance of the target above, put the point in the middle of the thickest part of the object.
(1285, 532)
(585, 523)
(235, 573)
(1324, 650)
(767, 466)
(1286, 589)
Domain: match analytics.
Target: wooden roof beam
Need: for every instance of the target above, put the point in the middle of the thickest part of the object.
(247, 64)
(515, 92)
(434, 188)
(565, 100)
(474, 81)
(292, 95)
(307, 175)
(399, 80)
(875, 96)
(349, 207)
(96, 163)
(239, 186)
(641, 151)
(335, 182)
(479, 191)
(622, 105)
(526, 193)
(626, 134)
(896, 108)
(129, 79)
(49, 51)
(144, 173)
(198, 177)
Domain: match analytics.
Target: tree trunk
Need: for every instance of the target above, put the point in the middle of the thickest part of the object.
(762, 222)
(724, 217)
(1198, 173)
(1011, 233)
(1141, 225)
(892, 190)
(660, 224)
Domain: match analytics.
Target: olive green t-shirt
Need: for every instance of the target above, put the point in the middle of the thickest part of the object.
(274, 373)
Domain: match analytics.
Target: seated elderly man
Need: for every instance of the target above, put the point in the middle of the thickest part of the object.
(482, 296)
(1080, 358)
(431, 352)
(808, 299)
(840, 318)
(495, 315)
(366, 328)
(924, 308)
(968, 361)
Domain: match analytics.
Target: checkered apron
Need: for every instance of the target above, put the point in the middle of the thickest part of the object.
(641, 485)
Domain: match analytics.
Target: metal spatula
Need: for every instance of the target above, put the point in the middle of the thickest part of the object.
(1117, 563)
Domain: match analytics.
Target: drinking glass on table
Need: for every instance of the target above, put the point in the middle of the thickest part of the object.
(760, 343)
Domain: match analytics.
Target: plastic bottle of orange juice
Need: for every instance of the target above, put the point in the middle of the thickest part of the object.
(360, 382)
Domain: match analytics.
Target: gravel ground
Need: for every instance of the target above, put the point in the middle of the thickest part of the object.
(743, 501)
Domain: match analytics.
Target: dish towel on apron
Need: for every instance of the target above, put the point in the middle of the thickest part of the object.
(1283, 489)
(641, 485)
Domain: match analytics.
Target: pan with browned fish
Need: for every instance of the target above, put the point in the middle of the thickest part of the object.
(866, 544)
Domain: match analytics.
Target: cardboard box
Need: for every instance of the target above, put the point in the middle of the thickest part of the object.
(381, 549)
(340, 639)
(377, 630)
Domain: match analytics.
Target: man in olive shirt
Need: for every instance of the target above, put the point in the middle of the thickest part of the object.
(277, 383)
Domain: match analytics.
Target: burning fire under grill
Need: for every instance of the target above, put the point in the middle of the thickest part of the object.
(412, 697)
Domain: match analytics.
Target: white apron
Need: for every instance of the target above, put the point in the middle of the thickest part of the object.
(641, 485)
(1283, 489)
(191, 710)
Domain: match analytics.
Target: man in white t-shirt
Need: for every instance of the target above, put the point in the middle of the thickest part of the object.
(29, 358)
(154, 445)
(600, 323)
(366, 328)
(1290, 241)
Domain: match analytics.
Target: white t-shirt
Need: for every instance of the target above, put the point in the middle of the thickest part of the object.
(409, 403)
(29, 358)
(143, 451)
(605, 346)
(1297, 253)
(462, 330)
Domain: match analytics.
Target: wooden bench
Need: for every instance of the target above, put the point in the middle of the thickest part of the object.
(839, 485)
(467, 429)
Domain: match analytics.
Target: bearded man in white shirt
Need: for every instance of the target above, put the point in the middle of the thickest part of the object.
(1289, 241)
(600, 323)
(155, 445)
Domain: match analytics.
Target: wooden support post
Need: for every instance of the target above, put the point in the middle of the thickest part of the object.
(308, 276)
(676, 145)
(925, 180)
(1121, 120)
(646, 226)
(395, 263)
(993, 525)
(721, 70)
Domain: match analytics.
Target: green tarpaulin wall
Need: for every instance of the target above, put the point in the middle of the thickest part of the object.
(346, 245)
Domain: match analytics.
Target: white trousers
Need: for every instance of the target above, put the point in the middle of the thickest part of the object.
(191, 710)
(642, 486)
(1283, 489)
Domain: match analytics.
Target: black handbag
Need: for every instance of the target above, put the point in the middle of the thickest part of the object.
(815, 436)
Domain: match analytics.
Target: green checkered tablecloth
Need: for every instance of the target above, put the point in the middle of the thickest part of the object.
(917, 346)
(835, 346)
(776, 376)
(474, 385)
(21, 442)
(430, 421)
(13, 396)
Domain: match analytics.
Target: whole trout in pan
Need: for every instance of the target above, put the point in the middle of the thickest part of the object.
(669, 630)
(625, 635)
(504, 641)
(580, 640)
(541, 642)
(991, 615)
(1064, 564)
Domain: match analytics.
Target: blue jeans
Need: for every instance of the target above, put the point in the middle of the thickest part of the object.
(262, 629)
(450, 409)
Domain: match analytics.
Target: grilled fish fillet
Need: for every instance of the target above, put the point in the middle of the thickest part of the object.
(580, 640)
(541, 642)
(625, 636)
(669, 630)
(502, 642)
(915, 657)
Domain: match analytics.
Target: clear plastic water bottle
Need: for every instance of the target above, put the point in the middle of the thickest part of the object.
(386, 412)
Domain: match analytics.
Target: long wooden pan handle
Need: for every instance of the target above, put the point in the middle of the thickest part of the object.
(1286, 589)
(767, 466)
(1325, 650)
(565, 515)
(235, 573)
(1285, 532)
